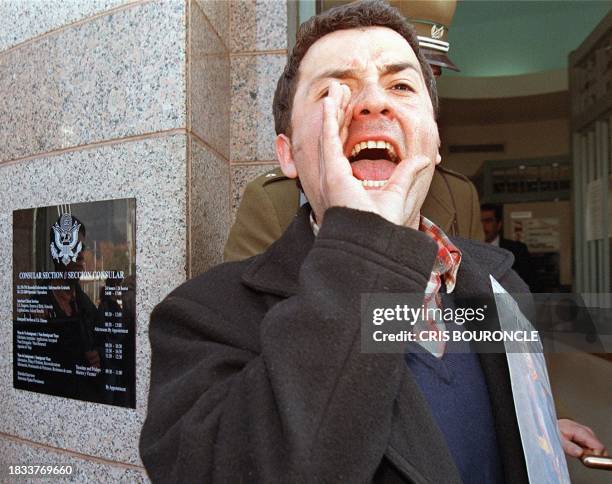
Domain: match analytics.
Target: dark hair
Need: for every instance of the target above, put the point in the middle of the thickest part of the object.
(366, 13)
(496, 209)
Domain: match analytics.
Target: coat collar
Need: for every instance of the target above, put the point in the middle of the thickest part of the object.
(276, 271)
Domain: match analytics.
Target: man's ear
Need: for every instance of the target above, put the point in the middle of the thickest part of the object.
(438, 157)
(284, 156)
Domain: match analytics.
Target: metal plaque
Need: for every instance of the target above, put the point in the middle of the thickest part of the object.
(74, 301)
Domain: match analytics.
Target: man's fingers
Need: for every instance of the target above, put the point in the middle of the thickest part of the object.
(346, 96)
(405, 174)
(347, 116)
(587, 439)
(332, 158)
(571, 449)
(337, 94)
(589, 430)
(581, 436)
(341, 94)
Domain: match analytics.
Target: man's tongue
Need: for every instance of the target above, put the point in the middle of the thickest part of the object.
(373, 169)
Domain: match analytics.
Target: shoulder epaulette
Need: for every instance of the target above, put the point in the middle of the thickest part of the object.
(449, 172)
(272, 176)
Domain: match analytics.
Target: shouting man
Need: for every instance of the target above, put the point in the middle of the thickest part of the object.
(257, 370)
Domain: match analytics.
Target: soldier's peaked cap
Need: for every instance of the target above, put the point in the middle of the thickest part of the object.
(431, 20)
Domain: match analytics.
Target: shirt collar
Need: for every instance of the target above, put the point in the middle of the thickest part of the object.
(448, 259)
(313, 224)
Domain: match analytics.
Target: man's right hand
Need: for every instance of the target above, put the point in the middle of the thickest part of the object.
(401, 198)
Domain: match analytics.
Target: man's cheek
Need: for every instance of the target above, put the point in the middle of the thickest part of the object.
(422, 137)
(314, 117)
(418, 135)
(307, 132)
(309, 118)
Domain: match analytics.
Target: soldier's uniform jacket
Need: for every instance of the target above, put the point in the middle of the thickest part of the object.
(271, 201)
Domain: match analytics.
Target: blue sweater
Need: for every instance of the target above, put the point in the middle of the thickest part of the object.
(458, 397)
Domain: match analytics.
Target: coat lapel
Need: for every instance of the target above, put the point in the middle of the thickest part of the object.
(473, 284)
(277, 270)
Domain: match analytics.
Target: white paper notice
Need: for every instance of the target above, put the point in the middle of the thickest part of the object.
(542, 234)
(533, 400)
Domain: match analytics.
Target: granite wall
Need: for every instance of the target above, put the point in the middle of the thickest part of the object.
(258, 53)
(103, 99)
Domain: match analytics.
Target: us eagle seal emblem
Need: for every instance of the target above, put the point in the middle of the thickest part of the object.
(65, 246)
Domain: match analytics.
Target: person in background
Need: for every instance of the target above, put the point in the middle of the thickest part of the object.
(491, 216)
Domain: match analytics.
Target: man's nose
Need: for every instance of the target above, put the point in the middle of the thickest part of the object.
(371, 103)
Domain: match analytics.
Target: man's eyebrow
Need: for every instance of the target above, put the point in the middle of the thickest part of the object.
(354, 73)
(398, 67)
(336, 74)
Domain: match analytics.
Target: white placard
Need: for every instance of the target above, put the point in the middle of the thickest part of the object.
(593, 217)
(532, 395)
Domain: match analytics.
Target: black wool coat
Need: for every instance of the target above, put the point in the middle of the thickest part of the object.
(257, 372)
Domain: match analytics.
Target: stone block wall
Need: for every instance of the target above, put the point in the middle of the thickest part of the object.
(258, 53)
(103, 99)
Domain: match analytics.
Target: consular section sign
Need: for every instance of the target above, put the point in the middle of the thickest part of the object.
(74, 301)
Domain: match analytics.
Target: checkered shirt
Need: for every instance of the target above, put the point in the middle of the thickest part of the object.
(444, 269)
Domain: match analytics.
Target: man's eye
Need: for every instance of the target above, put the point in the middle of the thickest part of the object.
(402, 86)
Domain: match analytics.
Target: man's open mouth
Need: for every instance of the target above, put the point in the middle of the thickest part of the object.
(373, 162)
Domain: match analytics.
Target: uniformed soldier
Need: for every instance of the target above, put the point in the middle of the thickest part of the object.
(270, 201)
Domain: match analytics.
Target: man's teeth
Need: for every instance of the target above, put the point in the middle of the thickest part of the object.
(373, 183)
(374, 144)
